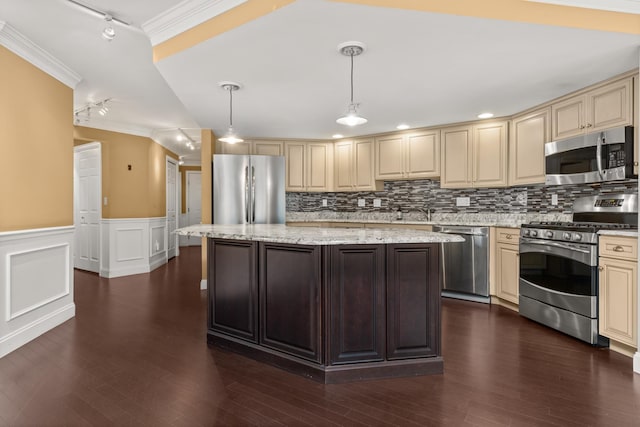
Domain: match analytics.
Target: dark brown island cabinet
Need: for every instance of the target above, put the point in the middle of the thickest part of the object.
(333, 313)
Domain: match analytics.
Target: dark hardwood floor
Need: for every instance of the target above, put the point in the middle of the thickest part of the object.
(136, 354)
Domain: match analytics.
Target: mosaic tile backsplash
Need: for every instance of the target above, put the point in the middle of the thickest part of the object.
(412, 196)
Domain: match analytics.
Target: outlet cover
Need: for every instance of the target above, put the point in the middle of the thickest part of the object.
(324, 203)
(377, 203)
(463, 201)
(361, 203)
(554, 199)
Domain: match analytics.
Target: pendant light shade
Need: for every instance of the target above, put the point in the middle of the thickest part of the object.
(230, 137)
(352, 118)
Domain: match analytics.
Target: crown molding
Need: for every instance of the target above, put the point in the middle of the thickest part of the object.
(623, 6)
(17, 43)
(184, 16)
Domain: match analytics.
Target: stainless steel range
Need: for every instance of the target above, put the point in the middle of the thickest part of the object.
(559, 264)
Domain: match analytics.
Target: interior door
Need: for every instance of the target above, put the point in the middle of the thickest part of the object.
(87, 207)
(172, 207)
(194, 203)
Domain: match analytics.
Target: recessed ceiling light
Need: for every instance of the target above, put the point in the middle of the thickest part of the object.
(402, 126)
(337, 135)
(180, 138)
(485, 115)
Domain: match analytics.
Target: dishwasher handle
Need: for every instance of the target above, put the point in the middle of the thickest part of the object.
(473, 231)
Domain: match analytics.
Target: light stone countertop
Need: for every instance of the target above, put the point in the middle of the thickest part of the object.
(280, 233)
(625, 233)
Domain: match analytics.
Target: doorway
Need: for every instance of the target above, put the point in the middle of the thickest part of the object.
(194, 203)
(87, 208)
(172, 207)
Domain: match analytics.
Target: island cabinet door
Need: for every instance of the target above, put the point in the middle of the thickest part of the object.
(413, 301)
(233, 288)
(356, 304)
(290, 298)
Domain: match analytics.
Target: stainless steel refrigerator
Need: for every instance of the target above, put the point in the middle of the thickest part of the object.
(248, 189)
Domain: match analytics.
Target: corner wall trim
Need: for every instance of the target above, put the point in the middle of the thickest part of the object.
(636, 362)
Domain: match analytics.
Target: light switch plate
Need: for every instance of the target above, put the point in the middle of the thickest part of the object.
(377, 203)
(361, 203)
(324, 203)
(105, 201)
(554, 199)
(463, 201)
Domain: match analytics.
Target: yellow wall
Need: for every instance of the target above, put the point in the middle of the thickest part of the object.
(183, 184)
(36, 147)
(139, 192)
(207, 145)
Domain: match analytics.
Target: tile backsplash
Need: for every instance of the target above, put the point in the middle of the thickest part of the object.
(413, 195)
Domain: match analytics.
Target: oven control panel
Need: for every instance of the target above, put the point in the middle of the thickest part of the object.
(567, 236)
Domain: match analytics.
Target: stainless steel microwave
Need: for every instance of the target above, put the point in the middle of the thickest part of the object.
(594, 157)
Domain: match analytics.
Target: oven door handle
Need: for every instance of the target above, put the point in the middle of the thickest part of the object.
(557, 245)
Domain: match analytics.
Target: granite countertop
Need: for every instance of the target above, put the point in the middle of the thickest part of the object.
(626, 233)
(280, 233)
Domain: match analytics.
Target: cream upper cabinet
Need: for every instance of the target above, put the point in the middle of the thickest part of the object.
(309, 166)
(455, 159)
(353, 163)
(618, 293)
(528, 135)
(409, 155)
(263, 147)
(267, 148)
(474, 156)
(601, 108)
(237, 148)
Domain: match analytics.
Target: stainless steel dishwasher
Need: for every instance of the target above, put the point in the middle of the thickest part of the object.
(465, 265)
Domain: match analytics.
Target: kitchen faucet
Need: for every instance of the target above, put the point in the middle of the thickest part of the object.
(426, 212)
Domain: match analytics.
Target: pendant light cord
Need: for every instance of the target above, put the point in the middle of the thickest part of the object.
(351, 76)
(230, 107)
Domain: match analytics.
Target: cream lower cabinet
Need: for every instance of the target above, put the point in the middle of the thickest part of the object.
(409, 155)
(618, 293)
(528, 134)
(507, 262)
(601, 108)
(308, 166)
(353, 162)
(474, 156)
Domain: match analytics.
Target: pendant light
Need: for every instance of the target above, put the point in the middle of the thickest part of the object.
(352, 118)
(230, 137)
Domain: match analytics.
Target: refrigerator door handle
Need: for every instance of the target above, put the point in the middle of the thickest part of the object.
(253, 194)
(246, 194)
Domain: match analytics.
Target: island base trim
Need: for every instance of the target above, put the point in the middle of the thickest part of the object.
(335, 374)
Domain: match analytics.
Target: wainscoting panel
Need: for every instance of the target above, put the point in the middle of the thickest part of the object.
(36, 283)
(133, 246)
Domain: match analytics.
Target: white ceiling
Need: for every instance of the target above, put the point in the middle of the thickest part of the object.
(419, 68)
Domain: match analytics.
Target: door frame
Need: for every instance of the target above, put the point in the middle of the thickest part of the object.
(187, 187)
(77, 149)
(171, 161)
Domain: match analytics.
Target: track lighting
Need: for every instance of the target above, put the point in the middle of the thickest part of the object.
(83, 114)
(108, 33)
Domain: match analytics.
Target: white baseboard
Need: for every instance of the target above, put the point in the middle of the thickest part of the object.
(33, 330)
(636, 362)
(203, 284)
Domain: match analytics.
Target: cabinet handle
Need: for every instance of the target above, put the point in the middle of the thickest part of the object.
(618, 249)
(635, 163)
(589, 125)
(517, 255)
(582, 127)
(601, 268)
(508, 236)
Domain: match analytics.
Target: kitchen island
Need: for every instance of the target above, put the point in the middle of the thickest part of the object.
(334, 305)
